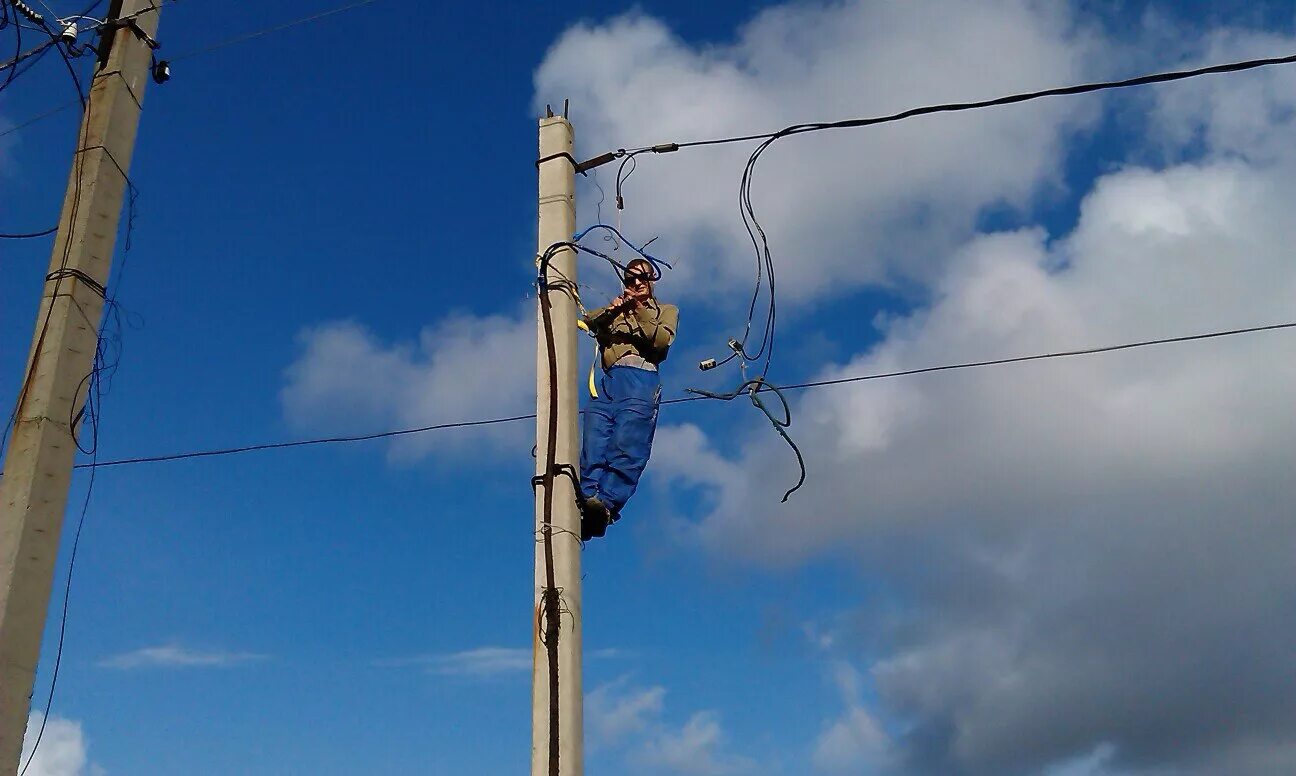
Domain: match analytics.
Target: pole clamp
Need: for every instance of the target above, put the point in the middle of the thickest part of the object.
(558, 468)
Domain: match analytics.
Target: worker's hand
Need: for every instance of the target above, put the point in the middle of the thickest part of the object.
(639, 293)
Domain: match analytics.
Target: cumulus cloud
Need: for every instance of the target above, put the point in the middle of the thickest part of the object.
(1090, 545)
(907, 195)
(1248, 117)
(62, 750)
(1093, 554)
(845, 209)
(176, 656)
(461, 368)
(615, 710)
(695, 748)
(630, 720)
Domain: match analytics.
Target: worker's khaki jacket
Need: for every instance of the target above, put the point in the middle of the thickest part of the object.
(645, 331)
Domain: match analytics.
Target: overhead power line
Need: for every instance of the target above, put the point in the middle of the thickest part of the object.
(39, 117)
(1143, 80)
(271, 30)
(765, 264)
(684, 399)
(1017, 359)
(20, 58)
(304, 442)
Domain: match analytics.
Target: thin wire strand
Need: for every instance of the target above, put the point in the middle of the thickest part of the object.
(39, 117)
(270, 30)
(1015, 359)
(686, 399)
(20, 58)
(307, 442)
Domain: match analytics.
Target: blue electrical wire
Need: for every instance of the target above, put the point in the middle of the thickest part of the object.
(656, 262)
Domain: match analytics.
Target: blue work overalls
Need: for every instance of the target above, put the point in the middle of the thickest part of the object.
(617, 434)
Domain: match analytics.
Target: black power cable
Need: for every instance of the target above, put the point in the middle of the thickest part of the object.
(1142, 80)
(29, 235)
(220, 452)
(760, 243)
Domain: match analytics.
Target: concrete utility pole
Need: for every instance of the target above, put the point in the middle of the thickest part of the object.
(38, 467)
(557, 715)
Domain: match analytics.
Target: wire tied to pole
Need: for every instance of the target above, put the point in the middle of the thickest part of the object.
(72, 272)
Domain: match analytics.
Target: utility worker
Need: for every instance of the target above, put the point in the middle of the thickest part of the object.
(634, 332)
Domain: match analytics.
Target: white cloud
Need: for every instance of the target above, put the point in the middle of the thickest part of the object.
(483, 661)
(842, 209)
(615, 710)
(1092, 764)
(907, 195)
(462, 368)
(62, 750)
(1249, 115)
(695, 748)
(855, 743)
(1092, 553)
(477, 662)
(176, 656)
(629, 721)
(1056, 526)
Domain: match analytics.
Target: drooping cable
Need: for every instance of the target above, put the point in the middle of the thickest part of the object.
(752, 389)
(760, 244)
(29, 235)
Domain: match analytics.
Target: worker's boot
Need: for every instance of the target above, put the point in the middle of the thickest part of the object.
(594, 518)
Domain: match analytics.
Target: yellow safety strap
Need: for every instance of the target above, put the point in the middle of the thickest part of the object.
(592, 390)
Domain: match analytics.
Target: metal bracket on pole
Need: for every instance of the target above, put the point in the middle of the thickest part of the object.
(559, 468)
(581, 167)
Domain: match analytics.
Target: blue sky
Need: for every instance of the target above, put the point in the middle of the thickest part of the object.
(335, 232)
